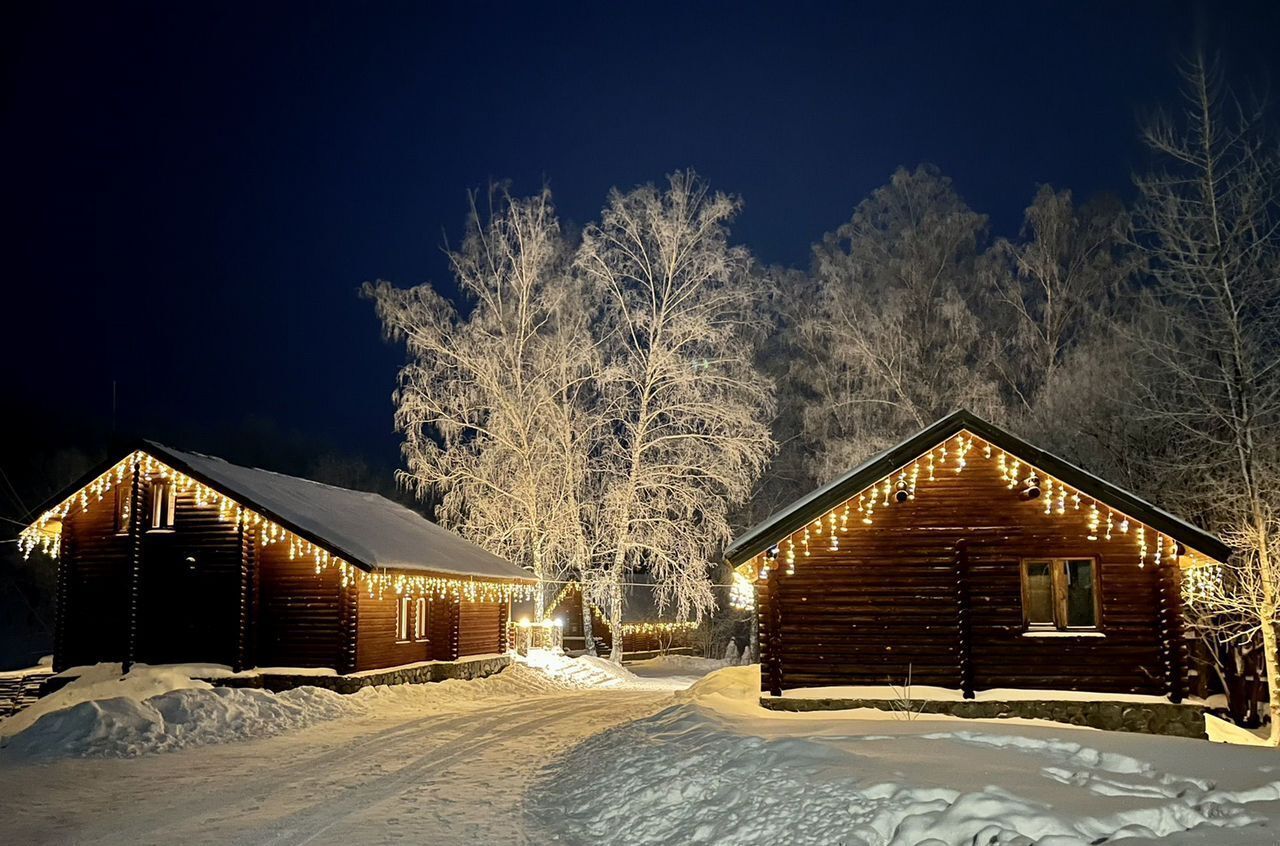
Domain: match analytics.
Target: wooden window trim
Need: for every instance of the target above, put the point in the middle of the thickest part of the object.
(123, 508)
(162, 517)
(1058, 580)
(421, 620)
(402, 619)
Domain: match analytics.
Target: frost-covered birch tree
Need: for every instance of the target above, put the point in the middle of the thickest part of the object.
(1049, 290)
(1210, 222)
(488, 400)
(684, 412)
(889, 341)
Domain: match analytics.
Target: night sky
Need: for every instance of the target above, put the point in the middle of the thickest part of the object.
(194, 193)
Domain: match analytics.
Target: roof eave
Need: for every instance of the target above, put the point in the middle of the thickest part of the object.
(788, 521)
(177, 463)
(163, 453)
(334, 549)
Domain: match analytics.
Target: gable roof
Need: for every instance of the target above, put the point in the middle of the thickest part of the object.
(795, 516)
(365, 529)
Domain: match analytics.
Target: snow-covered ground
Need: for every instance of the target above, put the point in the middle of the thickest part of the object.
(162, 709)
(580, 751)
(717, 768)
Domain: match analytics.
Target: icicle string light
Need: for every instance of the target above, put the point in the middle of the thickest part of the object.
(1100, 519)
(45, 534)
(658, 628)
(742, 593)
(1203, 583)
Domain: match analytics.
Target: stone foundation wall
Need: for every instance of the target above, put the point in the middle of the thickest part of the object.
(434, 672)
(1146, 718)
(465, 668)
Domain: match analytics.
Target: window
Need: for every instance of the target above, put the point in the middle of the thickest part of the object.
(421, 619)
(402, 619)
(1060, 593)
(163, 499)
(122, 506)
(1037, 593)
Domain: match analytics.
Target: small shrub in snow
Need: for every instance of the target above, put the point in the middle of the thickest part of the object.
(904, 707)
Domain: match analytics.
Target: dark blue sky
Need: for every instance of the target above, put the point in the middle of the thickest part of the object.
(193, 192)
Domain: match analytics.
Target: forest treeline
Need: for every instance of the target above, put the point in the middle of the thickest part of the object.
(626, 397)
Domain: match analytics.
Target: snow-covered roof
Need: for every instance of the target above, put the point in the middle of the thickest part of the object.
(796, 515)
(366, 529)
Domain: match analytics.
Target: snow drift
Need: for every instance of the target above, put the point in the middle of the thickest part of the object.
(159, 709)
(716, 768)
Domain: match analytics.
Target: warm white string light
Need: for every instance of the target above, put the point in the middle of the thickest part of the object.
(1056, 493)
(45, 534)
(742, 594)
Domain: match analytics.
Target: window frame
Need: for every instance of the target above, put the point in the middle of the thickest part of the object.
(1058, 592)
(124, 515)
(163, 512)
(421, 620)
(402, 618)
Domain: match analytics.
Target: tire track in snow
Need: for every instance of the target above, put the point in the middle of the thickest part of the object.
(329, 759)
(203, 802)
(306, 825)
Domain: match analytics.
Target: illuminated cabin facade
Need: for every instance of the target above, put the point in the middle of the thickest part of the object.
(645, 630)
(175, 557)
(979, 562)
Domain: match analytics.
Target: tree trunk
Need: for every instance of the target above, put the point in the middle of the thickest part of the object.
(539, 600)
(615, 614)
(1270, 648)
(589, 640)
(1272, 659)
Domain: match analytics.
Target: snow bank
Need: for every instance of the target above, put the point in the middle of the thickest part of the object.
(152, 709)
(669, 672)
(126, 727)
(716, 768)
(158, 709)
(732, 690)
(1221, 731)
(686, 665)
(576, 673)
(44, 665)
(102, 682)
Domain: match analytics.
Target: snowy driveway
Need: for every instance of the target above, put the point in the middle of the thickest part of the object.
(444, 778)
(581, 752)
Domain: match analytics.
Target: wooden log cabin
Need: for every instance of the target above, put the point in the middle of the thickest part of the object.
(978, 562)
(174, 557)
(646, 630)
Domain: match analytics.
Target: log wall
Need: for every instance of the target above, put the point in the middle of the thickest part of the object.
(898, 594)
(299, 612)
(658, 642)
(206, 591)
(189, 589)
(157, 596)
(480, 626)
(93, 611)
(377, 646)
(569, 610)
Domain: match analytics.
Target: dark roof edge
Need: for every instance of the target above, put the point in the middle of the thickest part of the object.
(177, 463)
(165, 454)
(807, 508)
